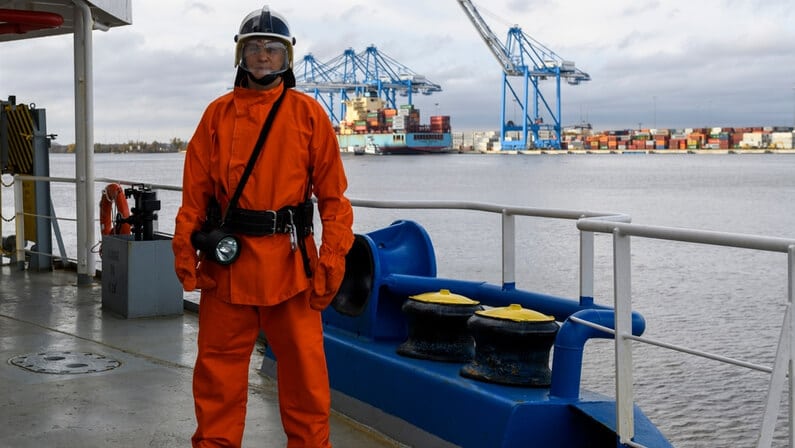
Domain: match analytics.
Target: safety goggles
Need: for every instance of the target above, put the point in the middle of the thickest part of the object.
(270, 48)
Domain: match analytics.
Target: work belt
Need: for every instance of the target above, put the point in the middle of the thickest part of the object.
(292, 219)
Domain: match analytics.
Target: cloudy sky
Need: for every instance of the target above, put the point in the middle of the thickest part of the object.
(653, 63)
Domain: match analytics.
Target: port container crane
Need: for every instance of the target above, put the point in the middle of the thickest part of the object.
(368, 73)
(522, 56)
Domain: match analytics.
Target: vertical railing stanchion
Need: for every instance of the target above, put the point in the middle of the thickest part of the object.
(508, 251)
(622, 282)
(777, 379)
(791, 338)
(586, 267)
(19, 211)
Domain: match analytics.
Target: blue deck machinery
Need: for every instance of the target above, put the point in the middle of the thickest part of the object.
(351, 74)
(523, 57)
(425, 402)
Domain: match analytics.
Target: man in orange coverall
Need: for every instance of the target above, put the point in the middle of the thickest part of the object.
(279, 283)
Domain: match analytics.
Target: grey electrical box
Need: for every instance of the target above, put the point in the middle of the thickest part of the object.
(138, 278)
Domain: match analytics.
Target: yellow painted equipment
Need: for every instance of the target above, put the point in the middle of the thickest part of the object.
(18, 158)
(20, 139)
(24, 150)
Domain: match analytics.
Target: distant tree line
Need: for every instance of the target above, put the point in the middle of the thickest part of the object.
(175, 145)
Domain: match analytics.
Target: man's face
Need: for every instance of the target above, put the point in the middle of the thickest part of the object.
(264, 56)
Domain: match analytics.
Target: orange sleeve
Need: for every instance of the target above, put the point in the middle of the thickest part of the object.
(330, 183)
(197, 188)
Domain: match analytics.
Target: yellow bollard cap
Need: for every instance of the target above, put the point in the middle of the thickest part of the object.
(445, 297)
(516, 313)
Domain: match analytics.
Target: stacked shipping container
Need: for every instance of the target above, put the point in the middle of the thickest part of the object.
(684, 139)
(367, 115)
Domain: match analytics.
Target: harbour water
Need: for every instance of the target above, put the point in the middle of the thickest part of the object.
(721, 300)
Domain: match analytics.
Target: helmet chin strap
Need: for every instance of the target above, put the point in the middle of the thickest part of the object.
(265, 80)
(243, 76)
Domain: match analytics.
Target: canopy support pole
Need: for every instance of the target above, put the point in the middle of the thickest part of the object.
(84, 142)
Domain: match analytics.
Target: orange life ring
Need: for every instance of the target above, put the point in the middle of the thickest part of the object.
(113, 197)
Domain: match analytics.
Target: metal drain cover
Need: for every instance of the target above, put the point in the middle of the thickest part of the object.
(64, 362)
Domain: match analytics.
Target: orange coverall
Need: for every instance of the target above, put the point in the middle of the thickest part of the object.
(266, 287)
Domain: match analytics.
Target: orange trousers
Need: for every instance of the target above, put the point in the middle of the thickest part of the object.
(227, 334)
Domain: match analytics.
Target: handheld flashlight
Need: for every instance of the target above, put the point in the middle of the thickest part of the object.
(221, 247)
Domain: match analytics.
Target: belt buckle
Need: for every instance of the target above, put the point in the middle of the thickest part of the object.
(273, 221)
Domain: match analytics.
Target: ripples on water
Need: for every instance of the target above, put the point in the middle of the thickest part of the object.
(727, 301)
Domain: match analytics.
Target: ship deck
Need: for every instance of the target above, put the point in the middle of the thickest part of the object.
(145, 401)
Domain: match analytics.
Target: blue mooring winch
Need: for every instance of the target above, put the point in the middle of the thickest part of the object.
(423, 402)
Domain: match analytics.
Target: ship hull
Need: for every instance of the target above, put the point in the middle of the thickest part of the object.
(397, 143)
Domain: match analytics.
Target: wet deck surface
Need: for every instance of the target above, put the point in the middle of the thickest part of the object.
(144, 402)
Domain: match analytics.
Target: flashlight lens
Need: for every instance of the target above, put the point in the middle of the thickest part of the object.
(226, 250)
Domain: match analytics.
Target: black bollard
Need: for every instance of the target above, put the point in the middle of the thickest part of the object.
(437, 324)
(512, 346)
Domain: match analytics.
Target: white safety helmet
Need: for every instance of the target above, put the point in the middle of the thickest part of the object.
(268, 24)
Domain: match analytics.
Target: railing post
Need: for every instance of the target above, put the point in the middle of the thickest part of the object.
(622, 282)
(776, 385)
(586, 267)
(508, 251)
(19, 221)
(791, 337)
(785, 353)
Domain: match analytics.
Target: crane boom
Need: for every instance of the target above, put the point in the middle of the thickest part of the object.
(497, 48)
(522, 56)
(359, 74)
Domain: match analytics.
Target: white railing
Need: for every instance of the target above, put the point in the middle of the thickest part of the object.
(20, 215)
(622, 233)
(619, 226)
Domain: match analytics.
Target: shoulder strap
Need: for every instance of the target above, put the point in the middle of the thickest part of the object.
(255, 153)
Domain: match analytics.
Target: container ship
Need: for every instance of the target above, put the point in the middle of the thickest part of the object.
(372, 128)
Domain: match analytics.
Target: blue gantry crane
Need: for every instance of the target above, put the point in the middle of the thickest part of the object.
(349, 75)
(523, 57)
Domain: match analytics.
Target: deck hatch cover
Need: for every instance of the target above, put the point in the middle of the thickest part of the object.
(64, 362)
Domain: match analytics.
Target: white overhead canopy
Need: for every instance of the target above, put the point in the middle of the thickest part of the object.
(27, 19)
(107, 14)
